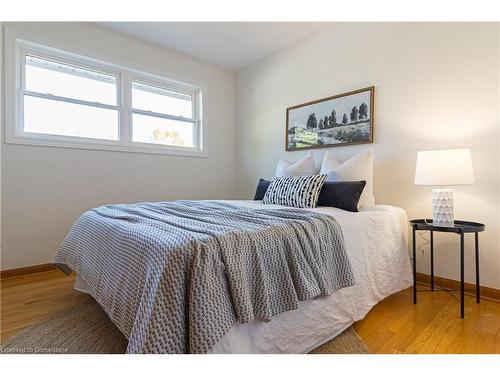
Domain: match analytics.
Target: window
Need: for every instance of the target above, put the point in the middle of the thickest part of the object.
(71, 101)
(162, 116)
(67, 99)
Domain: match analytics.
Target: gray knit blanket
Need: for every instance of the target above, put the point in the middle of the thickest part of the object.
(175, 276)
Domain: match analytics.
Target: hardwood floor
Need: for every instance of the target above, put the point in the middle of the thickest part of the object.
(28, 299)
(395, 325)
(433, 325)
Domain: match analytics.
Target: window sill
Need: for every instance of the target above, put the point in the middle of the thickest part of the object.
(104, 145)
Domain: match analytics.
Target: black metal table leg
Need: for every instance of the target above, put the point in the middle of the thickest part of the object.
(414, 268)
(478, 287)
(432, 259)
(462, 294)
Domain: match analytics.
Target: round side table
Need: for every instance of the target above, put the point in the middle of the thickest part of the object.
(460, 228)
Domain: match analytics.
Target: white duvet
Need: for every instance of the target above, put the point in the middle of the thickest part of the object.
(376, 241)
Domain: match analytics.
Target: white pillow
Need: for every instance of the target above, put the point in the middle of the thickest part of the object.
(357, 168)
(303, 167)
(329, 163)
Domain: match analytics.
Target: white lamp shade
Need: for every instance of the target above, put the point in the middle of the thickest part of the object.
(444, 167)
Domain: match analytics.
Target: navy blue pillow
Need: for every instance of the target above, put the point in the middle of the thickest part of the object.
(261, 190)
(344, 195)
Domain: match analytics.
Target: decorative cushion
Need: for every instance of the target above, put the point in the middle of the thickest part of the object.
(344, 195)
(261, 190)
(295, 191)
(358, 168)
(302, 167)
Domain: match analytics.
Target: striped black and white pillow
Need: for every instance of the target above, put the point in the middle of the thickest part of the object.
(295, 191)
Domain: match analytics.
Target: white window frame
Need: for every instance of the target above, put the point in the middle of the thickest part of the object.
(18, 44)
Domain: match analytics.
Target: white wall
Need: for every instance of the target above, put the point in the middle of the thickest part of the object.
(436, 87)
(45, 189)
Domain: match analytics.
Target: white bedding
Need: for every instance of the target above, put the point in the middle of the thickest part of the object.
(376, 241)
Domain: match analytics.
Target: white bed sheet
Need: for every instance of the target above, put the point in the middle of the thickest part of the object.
(376, 242)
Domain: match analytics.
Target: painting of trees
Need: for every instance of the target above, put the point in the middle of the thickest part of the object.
(354, 114)
(333, 121)
(363, 111)
(312, 122)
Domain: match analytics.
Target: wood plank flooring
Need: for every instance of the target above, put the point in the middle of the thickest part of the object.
(28, 299)
(395, 325)
(431, 326)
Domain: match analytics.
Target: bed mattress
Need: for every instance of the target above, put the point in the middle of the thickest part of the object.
(376, 242)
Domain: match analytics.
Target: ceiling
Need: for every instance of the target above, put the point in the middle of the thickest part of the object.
(232, 45)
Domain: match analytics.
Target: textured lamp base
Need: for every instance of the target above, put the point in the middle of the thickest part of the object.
(442, 208)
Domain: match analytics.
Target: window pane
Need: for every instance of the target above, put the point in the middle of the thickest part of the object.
(47, 116)
(155, 99)
(48, 77)
(157, 130)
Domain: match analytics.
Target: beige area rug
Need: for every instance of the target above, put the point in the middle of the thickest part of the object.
(86, 329)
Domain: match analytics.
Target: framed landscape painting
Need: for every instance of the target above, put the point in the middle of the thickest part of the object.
(339, 120)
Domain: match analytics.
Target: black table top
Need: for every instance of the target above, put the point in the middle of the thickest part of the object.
(460, 226)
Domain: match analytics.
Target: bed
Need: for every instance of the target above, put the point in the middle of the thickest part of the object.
(376, 243)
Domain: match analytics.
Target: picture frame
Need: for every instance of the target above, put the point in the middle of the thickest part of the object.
(349, 119)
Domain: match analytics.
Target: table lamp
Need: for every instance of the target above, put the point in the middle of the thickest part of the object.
(444, 168)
